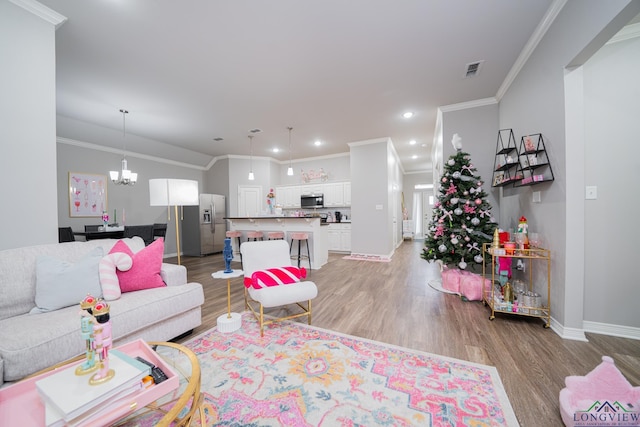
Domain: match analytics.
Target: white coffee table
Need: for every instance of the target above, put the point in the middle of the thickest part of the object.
(228, 322)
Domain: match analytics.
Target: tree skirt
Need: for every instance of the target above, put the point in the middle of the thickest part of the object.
(299, 375)
(437, 285)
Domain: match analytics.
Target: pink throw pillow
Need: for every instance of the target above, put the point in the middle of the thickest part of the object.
(275, 277)
(145, 271)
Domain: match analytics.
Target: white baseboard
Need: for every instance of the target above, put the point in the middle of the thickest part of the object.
(568, 333)
(594, 328)
(612, 330)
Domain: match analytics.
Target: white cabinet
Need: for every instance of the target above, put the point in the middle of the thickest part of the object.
(347, 194)
(334, 194)
(292, 197)
(312, 188)
(337, 194)
(339, 237)
(288, 196)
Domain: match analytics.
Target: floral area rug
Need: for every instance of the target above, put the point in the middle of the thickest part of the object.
(298, 375)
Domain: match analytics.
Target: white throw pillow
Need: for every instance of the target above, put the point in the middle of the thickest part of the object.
(62, 284)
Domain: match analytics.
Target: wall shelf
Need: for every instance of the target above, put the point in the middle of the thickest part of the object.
(533, 161)
(505, 165)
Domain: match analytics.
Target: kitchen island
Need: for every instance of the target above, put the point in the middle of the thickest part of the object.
(317, 231)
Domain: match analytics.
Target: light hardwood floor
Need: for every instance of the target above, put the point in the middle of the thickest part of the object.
(393, 303)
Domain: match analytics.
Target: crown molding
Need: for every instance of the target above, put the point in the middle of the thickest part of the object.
(469, 104)
(626, 33)
(41, 11)
(369, 141)
(532, 43)
(90, 146)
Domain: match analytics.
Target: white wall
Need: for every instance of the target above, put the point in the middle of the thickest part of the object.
(612, 163)
(27, 84)
(409, 182)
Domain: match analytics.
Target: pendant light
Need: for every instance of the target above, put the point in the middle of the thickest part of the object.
(251, 177)
(126, 177)
(290, 169)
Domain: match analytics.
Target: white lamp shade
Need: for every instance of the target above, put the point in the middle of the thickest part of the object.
(173, 192)
(290, 171)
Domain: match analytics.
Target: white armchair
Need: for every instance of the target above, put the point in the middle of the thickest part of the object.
(263, 255)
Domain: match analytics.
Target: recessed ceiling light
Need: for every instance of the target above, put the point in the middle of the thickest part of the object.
(415, 156)
(218, 139)
(412, 142)
(276, 150)
(408, 115)
(317, 143)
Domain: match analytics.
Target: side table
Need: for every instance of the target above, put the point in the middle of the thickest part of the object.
(228, 322)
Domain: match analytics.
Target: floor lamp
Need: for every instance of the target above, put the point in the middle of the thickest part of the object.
(173, 192)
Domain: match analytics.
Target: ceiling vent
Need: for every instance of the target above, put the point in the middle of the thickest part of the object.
(218, 139)
(473, 69)
(256, 130)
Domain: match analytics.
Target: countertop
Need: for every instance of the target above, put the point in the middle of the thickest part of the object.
(270, 217)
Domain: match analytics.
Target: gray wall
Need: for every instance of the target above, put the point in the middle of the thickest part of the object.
(535, 103)
(133, 199)
(27, 129)
(372, 186)
(478, 128)
(612, 129)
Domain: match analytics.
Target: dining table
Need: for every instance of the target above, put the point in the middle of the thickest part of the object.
(108, 233)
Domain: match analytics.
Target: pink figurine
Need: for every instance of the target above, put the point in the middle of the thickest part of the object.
(102, 342)
(86, 331)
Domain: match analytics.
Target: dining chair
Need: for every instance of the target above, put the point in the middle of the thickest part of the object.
(143, 231)
(159, 230)
(65, 234)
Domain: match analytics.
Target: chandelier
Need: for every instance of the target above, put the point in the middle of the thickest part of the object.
(125, 177)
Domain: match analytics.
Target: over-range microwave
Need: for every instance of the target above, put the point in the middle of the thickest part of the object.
(310, 201)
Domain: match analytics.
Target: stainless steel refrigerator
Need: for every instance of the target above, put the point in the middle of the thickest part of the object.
(204, 227)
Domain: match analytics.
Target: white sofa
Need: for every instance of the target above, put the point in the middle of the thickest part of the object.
(32, 342)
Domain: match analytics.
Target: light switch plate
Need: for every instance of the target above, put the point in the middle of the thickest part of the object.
(535, 197)
(591, 192)
(378, 207)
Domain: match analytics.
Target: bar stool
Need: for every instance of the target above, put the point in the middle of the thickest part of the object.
(238, 235)
(275, 235)
(300, 237)
(254, 235)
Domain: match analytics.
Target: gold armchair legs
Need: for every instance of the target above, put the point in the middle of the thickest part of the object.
(306, 311)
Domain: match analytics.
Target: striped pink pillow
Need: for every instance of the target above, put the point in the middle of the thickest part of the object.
(275, 277)
(108, 277)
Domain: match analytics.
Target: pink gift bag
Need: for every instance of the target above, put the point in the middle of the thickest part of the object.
(451, 280)
(471, 286)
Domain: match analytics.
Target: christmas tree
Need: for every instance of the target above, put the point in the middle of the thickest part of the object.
(461, 219)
